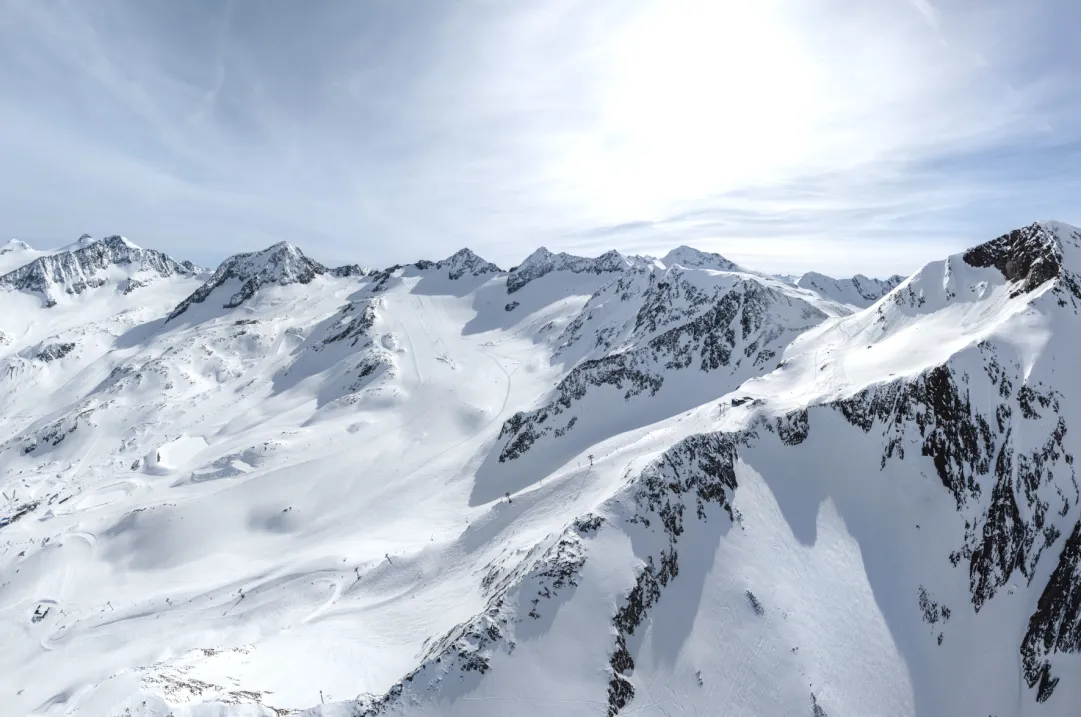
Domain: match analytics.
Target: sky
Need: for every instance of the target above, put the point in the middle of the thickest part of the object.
(789, 135)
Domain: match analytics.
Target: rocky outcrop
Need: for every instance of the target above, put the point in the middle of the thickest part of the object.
(55, 351)
(1056, 624)
(349, 270)
(279, 265)
(352, 324)
(1030, 255)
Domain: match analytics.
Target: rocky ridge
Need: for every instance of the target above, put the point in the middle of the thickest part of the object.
(84, 268)
(280, 265)
(726, 328)
(542, 262)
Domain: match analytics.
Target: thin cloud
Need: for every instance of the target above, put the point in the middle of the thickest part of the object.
(834, 137)
(927, 10)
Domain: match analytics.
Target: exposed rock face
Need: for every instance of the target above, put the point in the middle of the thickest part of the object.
(1017, 448)
(193, 267)
(349, 270)
(1031, 255)
(1005, 531)
(542, 262)
(52, 352)
(1056, 624)
(74, 272)
(279, 265)
(1019, 451)
(53, 434)
(695, 473)
(380, 279)
(1034, 255)
(968, 452)
(742, 326)
(354, 322)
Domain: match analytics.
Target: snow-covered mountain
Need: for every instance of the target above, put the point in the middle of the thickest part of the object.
(280, 265)
(113, 261)
(605, 486)
(858, 291)
(690, 258)
(543, 262)
(15, 253)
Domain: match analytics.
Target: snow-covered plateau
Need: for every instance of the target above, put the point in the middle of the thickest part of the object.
(611, 486)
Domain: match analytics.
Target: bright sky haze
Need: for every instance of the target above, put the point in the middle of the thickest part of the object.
(789, 135)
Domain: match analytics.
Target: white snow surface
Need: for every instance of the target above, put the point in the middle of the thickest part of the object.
(14, 253)
(691, 258)
(438, 489)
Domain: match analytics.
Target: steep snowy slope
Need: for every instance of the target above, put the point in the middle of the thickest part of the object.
(584, 487)
(649, 345)
(852, 534)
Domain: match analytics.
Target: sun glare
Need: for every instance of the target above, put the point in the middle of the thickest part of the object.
(701, 97)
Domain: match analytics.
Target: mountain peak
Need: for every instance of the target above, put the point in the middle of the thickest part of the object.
(283, 246)
(1033, 255)
(466, 261)
(281, 260)
(82, 242)
(858, 291)
(12, 246)
(84, 265)
(280, 264)
(117, 242)
(542, 262)
(692, 258)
